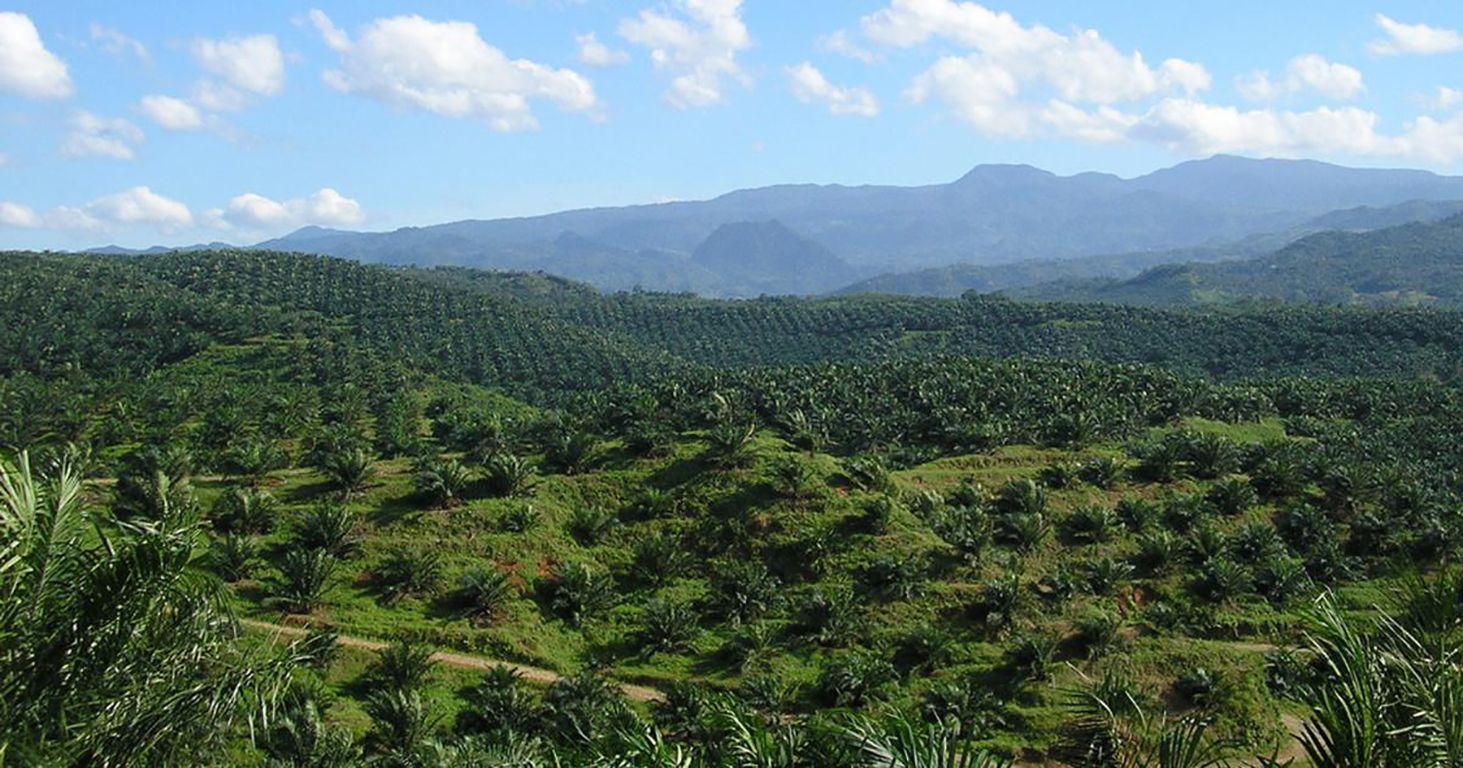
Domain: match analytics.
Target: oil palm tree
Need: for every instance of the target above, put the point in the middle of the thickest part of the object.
(116, 647)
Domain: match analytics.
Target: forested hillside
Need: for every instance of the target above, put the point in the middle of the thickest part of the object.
(277, 509)
(1408, 265)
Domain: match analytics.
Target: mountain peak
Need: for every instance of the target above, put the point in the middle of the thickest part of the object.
(757, 256)
(1005, 174)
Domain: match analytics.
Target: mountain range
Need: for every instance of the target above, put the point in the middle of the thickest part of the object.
(998, 226)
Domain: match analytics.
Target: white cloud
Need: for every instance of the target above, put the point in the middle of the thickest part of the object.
(593, 53)
(1447, 98)
(1019, 80)
(4, 159)
(1310, 72)
(696, 42)
(26, 67)
(171, 113)
(810, 87)
(254, 212)
(1415, 39)
(980, 93)
(1080, 67)
(447, 69)
(840, 43)
(253, 64)
(217, 97)
(113, 41)
(18, 216)
(1194, 126)
(93, 136)
(140, 205)
(1439, 141)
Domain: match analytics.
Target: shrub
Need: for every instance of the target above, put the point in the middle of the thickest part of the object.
(499, 705)
(1058, 476)
(304, 575)
(245, 510)
(1093, 525)
(742, 590)
(521, 519)
(349, 470)
(442, 483)
(895, 577)
(578, 592)
(830, 616)
(1106, 574)
(401, 666)
(668, 626)
(853, 679)
(408, 573)
(1097, 633)
(331, 527)
(1231, 496)
(657, 558)
(1000, 599)
(589, 525)
(235, 556)
(507, 475)
(1103, 472)
(571, 452)
(482, 591)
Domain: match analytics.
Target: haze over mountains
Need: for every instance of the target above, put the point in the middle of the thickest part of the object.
(996, 227)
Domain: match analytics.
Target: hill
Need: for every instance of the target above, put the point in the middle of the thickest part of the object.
(782, 520)
(1409, 264)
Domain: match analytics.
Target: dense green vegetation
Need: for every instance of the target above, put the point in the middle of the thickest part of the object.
(1408, 265)
(855, 532)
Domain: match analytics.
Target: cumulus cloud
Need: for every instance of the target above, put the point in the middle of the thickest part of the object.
(93, 136)
(26, 67)
(593, 53)
(18, 216)
(446, 68)
(113, 41)
(696, 42)
(1311, 72)
(257, 213)
(1018, 80)
(138, 206)
(1414, 39)
(810, 87)
(171, 113)
(253, 64)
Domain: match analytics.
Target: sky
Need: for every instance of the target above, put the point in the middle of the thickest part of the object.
(178, 122)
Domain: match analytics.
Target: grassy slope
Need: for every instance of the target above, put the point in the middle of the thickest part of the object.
(1231, 648)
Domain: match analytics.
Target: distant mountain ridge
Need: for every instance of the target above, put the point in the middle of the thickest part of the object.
(1409, 264)
(957, 279)
(992, 215)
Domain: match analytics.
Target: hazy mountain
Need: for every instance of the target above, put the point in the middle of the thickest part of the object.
(1419, 263)
(756, 258)
(117, 250)
(957, 279)
(993, 215)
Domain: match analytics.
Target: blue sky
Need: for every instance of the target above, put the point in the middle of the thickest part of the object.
(173, 122)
